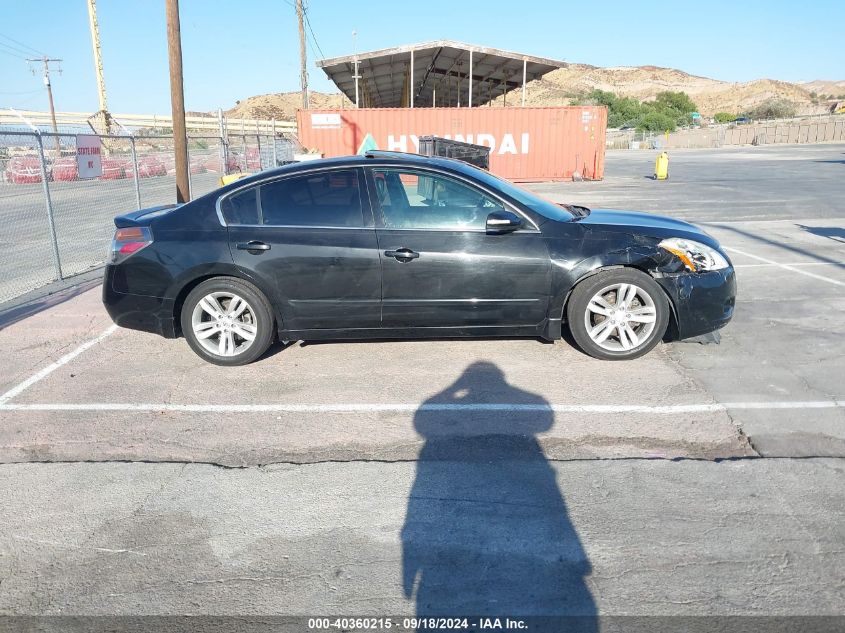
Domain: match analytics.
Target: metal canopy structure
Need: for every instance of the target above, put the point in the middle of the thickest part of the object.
(442, 73)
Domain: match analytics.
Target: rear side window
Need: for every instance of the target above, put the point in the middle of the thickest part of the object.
(330, 198)
(241, 208)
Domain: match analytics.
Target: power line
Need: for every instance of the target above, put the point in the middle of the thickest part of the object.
(22, 103)
(311, 46)
(21, 44)
(11, 52)
(314, 37)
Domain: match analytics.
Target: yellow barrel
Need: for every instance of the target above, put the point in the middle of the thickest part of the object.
(661, 166)
(225, 180)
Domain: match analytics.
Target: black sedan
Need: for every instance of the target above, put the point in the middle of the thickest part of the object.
(398, 245)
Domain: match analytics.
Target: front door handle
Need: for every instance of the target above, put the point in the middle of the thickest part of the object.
(402, 254)
(253, 246)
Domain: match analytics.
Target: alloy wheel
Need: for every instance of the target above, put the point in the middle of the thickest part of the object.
(620, 317)
(224, 323)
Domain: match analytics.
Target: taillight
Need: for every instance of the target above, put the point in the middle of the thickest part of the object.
(128, 241)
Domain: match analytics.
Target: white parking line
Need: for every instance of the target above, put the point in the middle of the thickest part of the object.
(785, 266)
(791, 220)
(789, 264)
(406, 408)
(49, 369)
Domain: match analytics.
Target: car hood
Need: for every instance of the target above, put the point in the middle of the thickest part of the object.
(648, 224)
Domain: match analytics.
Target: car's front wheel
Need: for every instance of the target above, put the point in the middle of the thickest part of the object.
(618, 314)
(227, 321)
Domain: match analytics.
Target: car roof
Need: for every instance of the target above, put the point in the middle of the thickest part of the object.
(382, 156)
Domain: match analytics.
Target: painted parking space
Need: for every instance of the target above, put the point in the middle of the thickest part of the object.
(127, 395)
(77, 389)
(336, 456)
(141, 397)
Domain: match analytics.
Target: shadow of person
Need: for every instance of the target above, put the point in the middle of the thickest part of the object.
(487, 531)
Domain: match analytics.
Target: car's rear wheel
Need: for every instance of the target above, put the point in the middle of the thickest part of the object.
(618, 314)
(227, 321)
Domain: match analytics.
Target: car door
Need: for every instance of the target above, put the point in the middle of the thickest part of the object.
(310, 237)
(440, 267)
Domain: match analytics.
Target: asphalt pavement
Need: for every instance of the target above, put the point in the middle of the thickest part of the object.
(485, 477)
(83, 213)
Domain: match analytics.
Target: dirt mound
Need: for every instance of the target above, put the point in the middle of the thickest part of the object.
(283, 106)
(562, 86)
(820, 87)
(644, 82)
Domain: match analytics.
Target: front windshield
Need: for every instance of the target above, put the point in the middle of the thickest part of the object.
(533, 201)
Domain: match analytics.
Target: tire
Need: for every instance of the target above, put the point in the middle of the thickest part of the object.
(596, 300)
(222, 338)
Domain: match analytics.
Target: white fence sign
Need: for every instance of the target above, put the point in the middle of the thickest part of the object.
(88, 156)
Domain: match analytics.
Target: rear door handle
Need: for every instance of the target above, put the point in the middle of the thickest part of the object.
(253, 246)
(402, 254)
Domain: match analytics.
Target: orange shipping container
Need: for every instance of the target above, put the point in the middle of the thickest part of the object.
(526, 143)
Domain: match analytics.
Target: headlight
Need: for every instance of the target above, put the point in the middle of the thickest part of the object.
(696, 256)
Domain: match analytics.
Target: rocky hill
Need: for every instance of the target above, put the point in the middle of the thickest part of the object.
(835, 88)
(562, 86)
(282, 106)
(644, 82)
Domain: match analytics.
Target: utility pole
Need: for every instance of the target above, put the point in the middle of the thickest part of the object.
(177, 101)
(46, 61)
(98, 64)
(303, 62)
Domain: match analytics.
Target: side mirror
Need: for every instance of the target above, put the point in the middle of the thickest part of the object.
(503, 222)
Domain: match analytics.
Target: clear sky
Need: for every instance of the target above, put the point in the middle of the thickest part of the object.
(235, 49)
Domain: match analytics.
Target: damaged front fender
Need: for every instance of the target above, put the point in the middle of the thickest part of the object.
(700, 302)
(703, 302)
(606, 250)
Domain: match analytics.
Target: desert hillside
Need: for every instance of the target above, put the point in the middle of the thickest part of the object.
(835, 88)
(559, 87)
(282, 106)
(644, 82)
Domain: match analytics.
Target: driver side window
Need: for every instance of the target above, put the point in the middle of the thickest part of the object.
(421, 200)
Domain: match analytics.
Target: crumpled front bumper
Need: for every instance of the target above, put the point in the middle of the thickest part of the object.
(703, 302)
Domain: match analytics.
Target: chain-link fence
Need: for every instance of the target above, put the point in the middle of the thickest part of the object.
(28, 250)
(56, 225)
